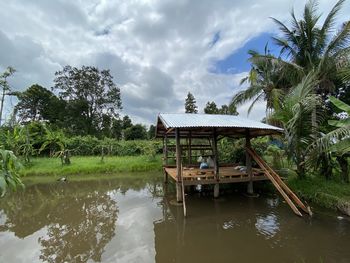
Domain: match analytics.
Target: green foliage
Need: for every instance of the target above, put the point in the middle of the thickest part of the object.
(37, 103)
(190, 104)
(135, 132)
(295, 114)
(320, 191)
(91, 96)
(277, 155)
(9, 177)
(151, 132)
(211, 108)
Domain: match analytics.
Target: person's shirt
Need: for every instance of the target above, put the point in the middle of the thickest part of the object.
(203, 165)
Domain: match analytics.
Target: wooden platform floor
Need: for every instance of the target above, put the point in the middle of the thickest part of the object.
(227, 174)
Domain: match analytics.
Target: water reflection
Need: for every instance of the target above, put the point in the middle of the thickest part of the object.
(267, 225)
(133, 220)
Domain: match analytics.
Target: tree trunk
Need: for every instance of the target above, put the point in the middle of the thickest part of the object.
(343, 162)
(2, 105)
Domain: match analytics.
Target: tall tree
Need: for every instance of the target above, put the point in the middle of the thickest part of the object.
(211, 108)
(37, 103)
(6, 89)
(126, 122)
(295, 115)
(151, 131)
(136, 132)
(190, 104)
(228, 110)
(90, 93)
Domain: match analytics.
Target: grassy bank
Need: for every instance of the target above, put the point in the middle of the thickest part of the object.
(326, 193)
(90, 165)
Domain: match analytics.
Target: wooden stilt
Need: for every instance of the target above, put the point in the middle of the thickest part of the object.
(190, 148)
(216, 165)
(183, 194)
(178, 166)
(250, 189)
(165, 156)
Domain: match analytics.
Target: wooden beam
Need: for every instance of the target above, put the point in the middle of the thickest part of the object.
(276, 184)
(280, 182)
(169, 130)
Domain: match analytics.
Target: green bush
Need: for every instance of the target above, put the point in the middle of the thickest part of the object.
(89, 146)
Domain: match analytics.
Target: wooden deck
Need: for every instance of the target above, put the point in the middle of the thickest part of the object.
(227, 174)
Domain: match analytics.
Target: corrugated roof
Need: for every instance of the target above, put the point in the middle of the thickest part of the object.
(188, 120)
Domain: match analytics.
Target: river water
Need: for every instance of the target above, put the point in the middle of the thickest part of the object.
(136, 220)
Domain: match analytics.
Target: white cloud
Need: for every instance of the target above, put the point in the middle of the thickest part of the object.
(157, 50)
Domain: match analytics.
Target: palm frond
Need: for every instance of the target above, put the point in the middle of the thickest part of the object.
(246, 95)
(329, 22)
(340, 41)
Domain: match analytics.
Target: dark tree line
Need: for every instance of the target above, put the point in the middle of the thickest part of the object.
(210, 107)
(88, 102)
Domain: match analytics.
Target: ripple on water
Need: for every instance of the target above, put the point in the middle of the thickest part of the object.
(267, 225)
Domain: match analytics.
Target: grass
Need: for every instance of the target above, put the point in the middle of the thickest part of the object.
(318, 190)
(90, 165)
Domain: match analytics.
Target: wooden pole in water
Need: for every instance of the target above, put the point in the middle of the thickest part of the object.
(189, 148)
(216, 165)
(248, 164)
(178, 166)
(165, 156)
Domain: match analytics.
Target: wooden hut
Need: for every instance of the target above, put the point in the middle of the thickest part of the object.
(208, 129)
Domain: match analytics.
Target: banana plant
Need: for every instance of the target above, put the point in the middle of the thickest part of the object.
(54, 141)
(9, 177)
(336, 142)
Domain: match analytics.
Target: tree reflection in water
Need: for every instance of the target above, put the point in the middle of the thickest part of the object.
(80, 219)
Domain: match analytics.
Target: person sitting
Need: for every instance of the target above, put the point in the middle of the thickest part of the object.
(203, 165)
(210, 162)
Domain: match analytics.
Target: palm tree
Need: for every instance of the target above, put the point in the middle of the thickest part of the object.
(295, 116)
(313, 47)
(305, 47)
(266, 82)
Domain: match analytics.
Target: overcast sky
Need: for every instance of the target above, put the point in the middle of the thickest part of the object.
(157, 50)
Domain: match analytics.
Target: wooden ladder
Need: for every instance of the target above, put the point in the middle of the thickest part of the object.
(276, 180)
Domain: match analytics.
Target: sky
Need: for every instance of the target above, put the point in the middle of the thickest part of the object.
(157, 50)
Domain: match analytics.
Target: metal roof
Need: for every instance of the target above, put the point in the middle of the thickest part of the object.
(190, 120)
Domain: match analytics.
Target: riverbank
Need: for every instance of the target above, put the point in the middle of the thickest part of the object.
(326, 193)
(316, 190)
(88, 165)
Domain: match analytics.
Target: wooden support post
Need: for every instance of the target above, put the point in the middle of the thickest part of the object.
(166, 150)
(178, 167)
(216, 165)
(165, 157)
(189, 148)
(248, 164)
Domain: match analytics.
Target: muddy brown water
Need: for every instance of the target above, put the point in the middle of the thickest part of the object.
(136, 220)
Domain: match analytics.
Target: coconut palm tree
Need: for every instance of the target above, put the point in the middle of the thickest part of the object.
(295, 116)
(266, 82)
(305, 46)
